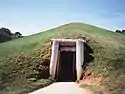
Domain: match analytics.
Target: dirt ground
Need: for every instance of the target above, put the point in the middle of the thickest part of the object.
(87, 91)
(93, 81)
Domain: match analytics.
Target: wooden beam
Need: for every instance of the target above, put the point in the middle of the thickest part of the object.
(79, 58)
(68, 40)
(54, 58)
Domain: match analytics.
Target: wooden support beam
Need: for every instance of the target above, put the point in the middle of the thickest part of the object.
(54, 58)
(68, 40)
(79, 58)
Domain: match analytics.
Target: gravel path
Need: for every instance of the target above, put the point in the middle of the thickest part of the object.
(60, 88)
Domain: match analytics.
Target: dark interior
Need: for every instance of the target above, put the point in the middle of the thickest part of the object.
(67, 67)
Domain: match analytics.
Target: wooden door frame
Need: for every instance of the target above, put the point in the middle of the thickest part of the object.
(58, 66)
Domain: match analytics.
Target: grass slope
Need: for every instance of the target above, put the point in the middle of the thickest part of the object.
(19, 58)
(34, 41)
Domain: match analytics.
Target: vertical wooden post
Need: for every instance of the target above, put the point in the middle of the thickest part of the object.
(58, 65)
(82, 53)
(54, 58)
(79, 58)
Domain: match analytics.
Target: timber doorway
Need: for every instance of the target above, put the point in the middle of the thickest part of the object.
(66, 68)
(67, 58)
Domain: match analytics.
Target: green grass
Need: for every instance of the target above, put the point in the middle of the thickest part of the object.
(19, 57)
(24, 44)
(34, 41)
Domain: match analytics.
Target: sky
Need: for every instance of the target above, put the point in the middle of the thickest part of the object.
(33, 16)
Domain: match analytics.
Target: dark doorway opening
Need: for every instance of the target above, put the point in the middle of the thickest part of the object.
(66, 67)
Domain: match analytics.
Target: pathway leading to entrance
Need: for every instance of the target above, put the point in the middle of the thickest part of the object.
(60, 88)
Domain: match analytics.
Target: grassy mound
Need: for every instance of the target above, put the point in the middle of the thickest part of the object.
(25, 72)
(24, 62)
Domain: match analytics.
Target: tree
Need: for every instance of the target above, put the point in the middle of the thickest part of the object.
(6, 30)
(18, 34)
(123, 31)
(118, 31)
(5, 34)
